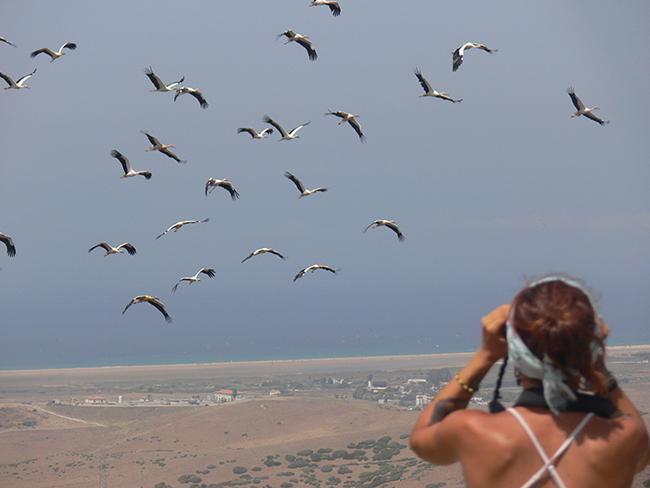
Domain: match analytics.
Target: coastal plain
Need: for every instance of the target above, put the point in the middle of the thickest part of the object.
(314, 422)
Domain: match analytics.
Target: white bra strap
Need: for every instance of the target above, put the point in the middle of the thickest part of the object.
(540, 450)
(548, 463)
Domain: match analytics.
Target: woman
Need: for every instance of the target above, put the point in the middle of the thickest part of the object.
(554, 336)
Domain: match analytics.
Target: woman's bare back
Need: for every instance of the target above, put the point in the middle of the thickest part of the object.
(497, 452)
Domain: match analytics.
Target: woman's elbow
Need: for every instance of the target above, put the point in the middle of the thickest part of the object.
(415, 445)
(423, 446)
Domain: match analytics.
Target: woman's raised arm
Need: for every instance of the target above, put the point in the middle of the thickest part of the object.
(436, 434)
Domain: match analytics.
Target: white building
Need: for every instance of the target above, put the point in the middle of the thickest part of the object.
(416, 381)
(422, 401)
(95, 400)
(224, 396)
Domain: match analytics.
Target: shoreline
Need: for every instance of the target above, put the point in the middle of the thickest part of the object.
(351, 360)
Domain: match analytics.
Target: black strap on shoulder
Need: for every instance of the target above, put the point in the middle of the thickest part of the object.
(599, 406)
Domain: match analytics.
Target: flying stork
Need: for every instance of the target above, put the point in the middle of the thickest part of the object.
(582, 110)
(160, 86)
(54, 54)
(196, 93)
(286, 136)
(180, 224)
(314, 267)
(333, 5)
(457, 55)
(391, 224)
(151, 300)
(263, 250)
(2, 39)
(127, 246)
(9, 243)
(350, 119)
(301, 188)
(156, 145)
(126, 166)
(225, 183)
(430, 92)
(194, 279)
(17, 85)
(254, 134)
(304, 41)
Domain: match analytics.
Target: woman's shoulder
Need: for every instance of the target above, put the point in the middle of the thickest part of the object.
(479, 423)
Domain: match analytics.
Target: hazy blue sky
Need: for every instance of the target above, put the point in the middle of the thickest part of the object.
(502, 186)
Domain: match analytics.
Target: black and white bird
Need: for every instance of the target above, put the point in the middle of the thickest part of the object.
(581, 109)
(304, 192)
(458, 54)
(176, 227)
(333, 6)
(312, 268)
(286, 136)
(263, 250)
(391, 224)
(304, 41)
(350, 119)
(158, 84)
(126, 166)
(54, 54)
(9, 243)
(156, 145)
(127, 246)
(2, 39)
(151, 300)
(430, 92)
(17, 85)
(196, 93)
(225, 183)
(209, 272)
(254, 134)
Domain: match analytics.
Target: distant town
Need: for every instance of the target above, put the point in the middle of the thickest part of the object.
(407, 393)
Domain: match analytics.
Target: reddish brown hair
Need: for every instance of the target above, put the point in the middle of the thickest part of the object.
(556, 319)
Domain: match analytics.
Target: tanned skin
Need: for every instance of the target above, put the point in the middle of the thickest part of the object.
(493, 449)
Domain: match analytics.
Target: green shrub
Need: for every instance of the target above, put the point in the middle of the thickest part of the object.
(298, 463)
(189, 478)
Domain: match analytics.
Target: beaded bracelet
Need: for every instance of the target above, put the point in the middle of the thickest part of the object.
(465, 386)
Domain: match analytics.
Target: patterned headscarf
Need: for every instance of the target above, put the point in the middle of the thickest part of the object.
(556, 391)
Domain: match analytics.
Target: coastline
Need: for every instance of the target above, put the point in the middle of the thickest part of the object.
(278, 364)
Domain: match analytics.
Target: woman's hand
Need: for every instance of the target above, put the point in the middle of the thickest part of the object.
(494, 333)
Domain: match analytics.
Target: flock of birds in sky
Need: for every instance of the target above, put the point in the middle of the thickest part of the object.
(211, 184)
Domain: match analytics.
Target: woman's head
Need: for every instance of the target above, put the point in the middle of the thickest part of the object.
(556, 318)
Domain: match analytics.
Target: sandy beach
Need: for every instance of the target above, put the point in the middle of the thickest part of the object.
(280, 366)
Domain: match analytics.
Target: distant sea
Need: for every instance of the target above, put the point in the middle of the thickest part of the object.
(38, 362)
(104, 360)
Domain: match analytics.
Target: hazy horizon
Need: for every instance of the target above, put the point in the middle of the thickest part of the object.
(488, 192)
